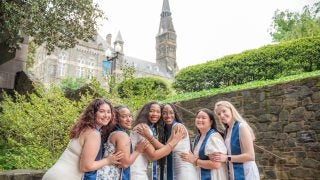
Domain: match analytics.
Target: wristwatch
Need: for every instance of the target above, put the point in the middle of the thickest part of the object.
(229, 158)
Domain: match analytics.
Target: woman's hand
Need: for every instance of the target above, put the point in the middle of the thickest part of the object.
(143, 130)
(178, 133)
(141, 146)
(189, 157)
(115, 157)
(219, 157)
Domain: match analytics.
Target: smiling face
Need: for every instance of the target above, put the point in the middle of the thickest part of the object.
(125, 118)
(154, 113)
(224, 114)
(203, 122)
(103, 115)
(168, 114)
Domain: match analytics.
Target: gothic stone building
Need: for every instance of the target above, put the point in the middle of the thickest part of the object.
(88, 59)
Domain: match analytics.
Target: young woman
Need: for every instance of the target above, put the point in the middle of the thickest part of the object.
(150, 115)
(176, 168)
(119, 140)
(83, 153)
(207, 142)
(239, 141)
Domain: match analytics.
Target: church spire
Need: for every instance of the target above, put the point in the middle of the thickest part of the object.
(166, 42)
(166, 20)
(165, 9)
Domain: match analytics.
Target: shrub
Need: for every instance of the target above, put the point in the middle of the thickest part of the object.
(268, 62)
(34, 128)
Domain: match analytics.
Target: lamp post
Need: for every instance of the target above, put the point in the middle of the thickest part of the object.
(112, 56)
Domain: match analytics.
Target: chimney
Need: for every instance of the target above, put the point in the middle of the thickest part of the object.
(108, 39)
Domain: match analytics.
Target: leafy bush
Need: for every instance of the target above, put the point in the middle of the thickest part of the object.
(137, 91)
(268, 62)
(34, 128)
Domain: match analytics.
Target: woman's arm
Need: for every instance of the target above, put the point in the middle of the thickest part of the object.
(122, 141)
(91, 140)
(166, 149)
(247, 148)
(206, 164)
(144, 131)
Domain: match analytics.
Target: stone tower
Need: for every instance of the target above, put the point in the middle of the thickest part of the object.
(166, 42)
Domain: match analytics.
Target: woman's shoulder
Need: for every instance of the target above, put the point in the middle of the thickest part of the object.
(90, 132)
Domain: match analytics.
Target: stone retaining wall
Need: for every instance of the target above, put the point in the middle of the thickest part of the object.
(286, 121)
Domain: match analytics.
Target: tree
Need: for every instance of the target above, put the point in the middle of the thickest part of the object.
(58, 23)
(288, 25)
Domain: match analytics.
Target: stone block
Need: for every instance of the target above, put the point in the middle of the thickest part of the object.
(306, 136)
(22, 174)
(316, 97)
(293, 127)
(290, 102)
(311, 163)
(297, 114)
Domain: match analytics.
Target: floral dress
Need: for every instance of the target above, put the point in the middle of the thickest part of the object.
(109, 172)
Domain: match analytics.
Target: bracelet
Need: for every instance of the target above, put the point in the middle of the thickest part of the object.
(170, 146)
(196, 162)
(151, 139)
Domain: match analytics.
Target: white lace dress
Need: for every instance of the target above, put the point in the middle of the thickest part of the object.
(215, 143)
(183, 170)
(138, 170)
(109, 172)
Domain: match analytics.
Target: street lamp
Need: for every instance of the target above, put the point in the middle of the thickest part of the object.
(113, 55)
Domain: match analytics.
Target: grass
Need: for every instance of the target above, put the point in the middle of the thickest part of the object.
(249, 85)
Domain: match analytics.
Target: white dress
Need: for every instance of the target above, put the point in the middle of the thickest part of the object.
(109, 172)
(68, 165)
(138, 170)
(214, 144)
(251, 171)
(183, 170)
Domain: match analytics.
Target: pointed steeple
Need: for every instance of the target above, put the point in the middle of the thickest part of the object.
(119, 38)
(165, 9)
(166, 44)
(166, 20)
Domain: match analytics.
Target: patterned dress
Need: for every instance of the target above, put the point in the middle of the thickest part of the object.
(109, 172)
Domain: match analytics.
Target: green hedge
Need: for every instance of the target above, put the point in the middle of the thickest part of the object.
(34, 127)
(268, 62)
(137, 91)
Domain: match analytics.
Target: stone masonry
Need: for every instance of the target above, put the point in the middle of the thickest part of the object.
(286, 121)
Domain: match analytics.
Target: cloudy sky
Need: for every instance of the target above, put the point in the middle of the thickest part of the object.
(206, 29)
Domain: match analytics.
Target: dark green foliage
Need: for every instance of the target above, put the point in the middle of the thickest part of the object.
(143, 86)
(71, 84)
(34, 128)
(137, 91)
(58, 23)
(92, 88)
(268, 62)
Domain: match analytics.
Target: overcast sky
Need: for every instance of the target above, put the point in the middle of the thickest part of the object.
(206, 29)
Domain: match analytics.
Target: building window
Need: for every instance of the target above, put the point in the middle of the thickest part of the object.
(62, 57)
(61, 69)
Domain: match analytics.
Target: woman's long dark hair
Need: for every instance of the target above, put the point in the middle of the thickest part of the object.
(88, 118)
(143, 117)
(163, 139)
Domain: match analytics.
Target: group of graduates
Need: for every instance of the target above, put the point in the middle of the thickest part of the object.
(106, 144)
